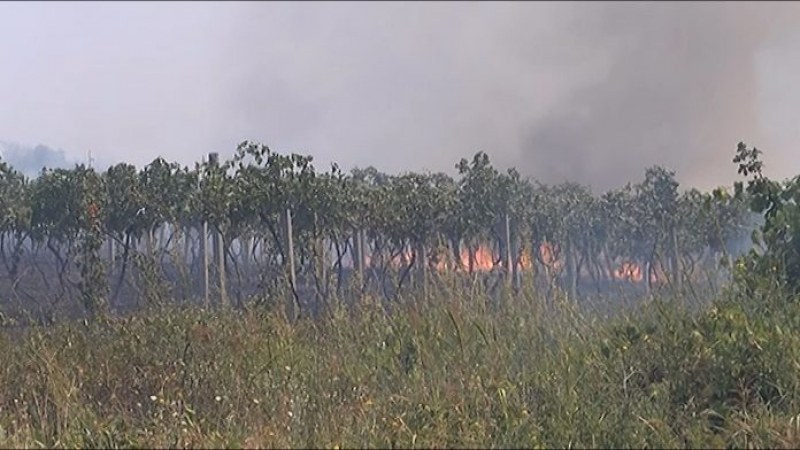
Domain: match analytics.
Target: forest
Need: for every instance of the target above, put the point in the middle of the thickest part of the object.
(258, 302)
(76, 240)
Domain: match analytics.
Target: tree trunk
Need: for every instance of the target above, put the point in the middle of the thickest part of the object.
(676, 269)
(471, 250)
(422, 263)
(357, 252)
(204, 251)
(572, 272)
(220, 250)
(111, 253)
(508, 253)
(290, 261)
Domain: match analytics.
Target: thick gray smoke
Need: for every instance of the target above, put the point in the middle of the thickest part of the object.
(402, 86)
(579, 91)
(585, 92)
(681, 91)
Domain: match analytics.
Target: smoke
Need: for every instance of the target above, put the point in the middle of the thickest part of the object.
(681, 92)
(586, 92)
(593, 93)
(30, 160)
(402, 86)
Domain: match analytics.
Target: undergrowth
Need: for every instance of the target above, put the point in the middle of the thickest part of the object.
(446, 371)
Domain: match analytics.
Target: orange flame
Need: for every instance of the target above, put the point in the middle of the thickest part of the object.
(548, 255)
(525, 261)
(484, 259)
(633, 272)
(628, 271)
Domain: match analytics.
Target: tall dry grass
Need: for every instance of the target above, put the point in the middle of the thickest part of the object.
(451, 370)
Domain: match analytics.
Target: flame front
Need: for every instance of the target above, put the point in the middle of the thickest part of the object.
(547, 252)
(633, 272)
(628, 271)
(483, 259)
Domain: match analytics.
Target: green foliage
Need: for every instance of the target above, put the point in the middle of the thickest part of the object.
(246, 198)
(448, 372)
(779, 202)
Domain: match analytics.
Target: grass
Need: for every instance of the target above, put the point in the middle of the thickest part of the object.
(450, 371)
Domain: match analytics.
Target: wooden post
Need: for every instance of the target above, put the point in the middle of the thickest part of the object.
(572, 270)
(362, 255)
(516, 266)
(323, 257)
(214, 266)
(111, 253)
(204, 251)
(148, 242)
(471, 250)
(247, 246)
(358, 252)
(162, 236)
(676, 269)
(186, 243)
(223, 295)
(290, 263)
(508, 256)
(422, 260)
(319, 262)
(218, 243)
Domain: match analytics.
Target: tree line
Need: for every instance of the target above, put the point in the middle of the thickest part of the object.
(264, 221)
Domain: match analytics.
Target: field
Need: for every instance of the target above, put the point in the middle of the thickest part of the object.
(447, 371)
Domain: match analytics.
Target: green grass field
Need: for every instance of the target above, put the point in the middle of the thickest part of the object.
(451, 372)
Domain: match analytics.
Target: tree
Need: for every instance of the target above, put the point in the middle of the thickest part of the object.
(779, 202)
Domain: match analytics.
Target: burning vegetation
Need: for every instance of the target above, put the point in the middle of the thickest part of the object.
(486, 259)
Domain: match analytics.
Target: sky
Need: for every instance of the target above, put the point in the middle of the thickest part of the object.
(586, 91)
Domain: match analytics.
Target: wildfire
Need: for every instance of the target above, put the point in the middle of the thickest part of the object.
(628, 271)
(440, 261)
(483, 259)
(633, 272)
(525, 261)
(548, 254)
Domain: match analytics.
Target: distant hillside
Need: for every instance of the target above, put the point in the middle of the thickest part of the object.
(31, 159)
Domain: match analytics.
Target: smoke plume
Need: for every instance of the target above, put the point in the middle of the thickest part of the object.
(586, 92)
(681, 92)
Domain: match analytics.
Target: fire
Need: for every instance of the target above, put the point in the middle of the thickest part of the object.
(483, 259)
(628, 271)
(548, 254)
(633, 272)
(525, 261)
(441, 260)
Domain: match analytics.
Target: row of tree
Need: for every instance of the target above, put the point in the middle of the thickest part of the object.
(273, 220)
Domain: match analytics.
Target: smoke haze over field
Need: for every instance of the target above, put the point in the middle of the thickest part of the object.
(30, 160)
(681, 90)
(581, 91)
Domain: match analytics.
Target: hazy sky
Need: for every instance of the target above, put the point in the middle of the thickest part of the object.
(589, 92)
